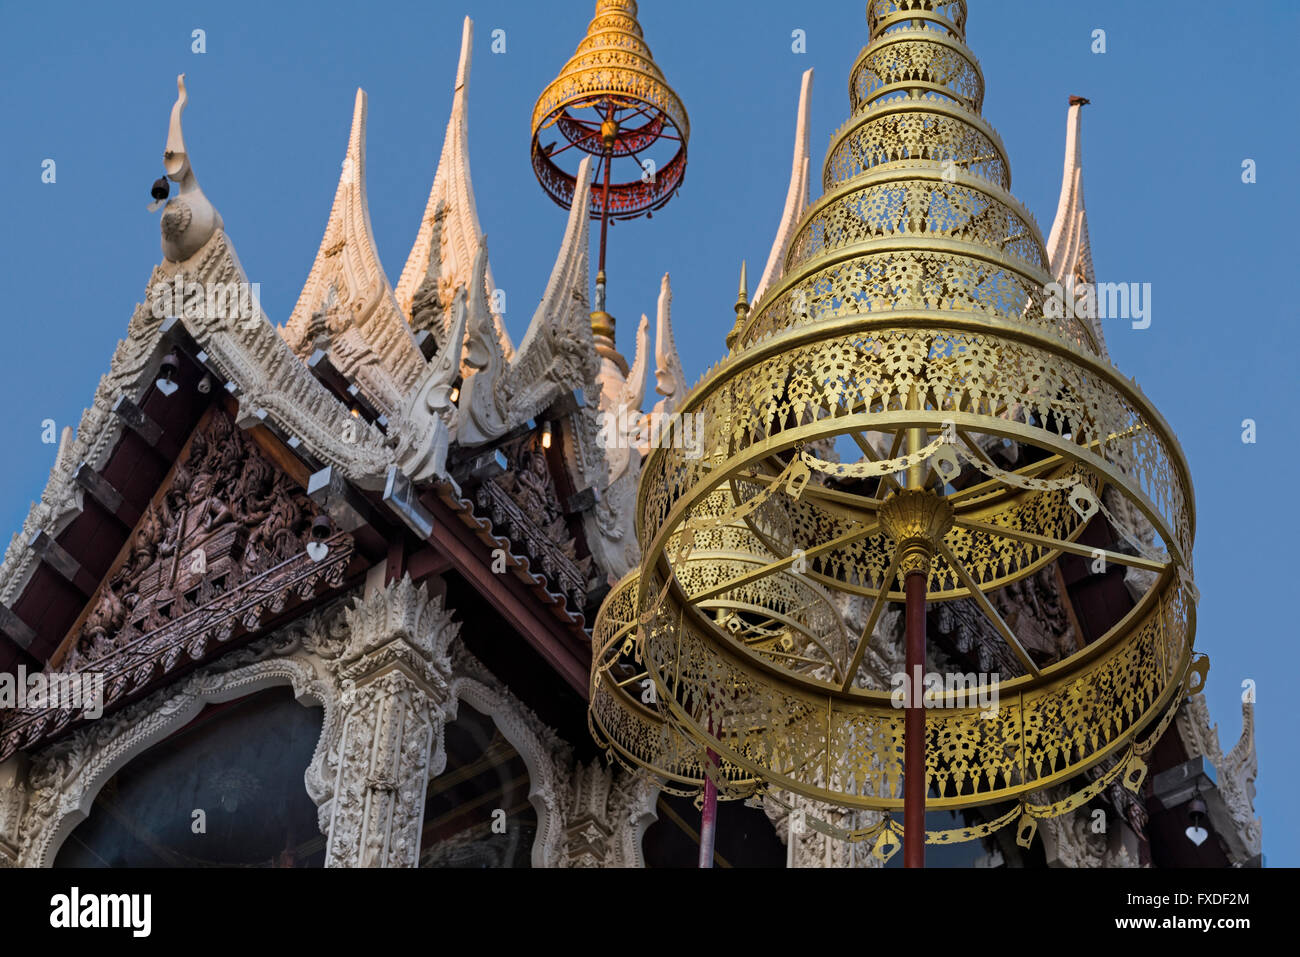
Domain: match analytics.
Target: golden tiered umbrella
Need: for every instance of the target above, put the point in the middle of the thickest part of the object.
(611, 101)
(912, 321)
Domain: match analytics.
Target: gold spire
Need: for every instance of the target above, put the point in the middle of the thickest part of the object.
(742, 308)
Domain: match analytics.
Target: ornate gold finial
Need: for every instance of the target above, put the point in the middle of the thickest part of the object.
(611, 81)
(611, 101)
(742, 308)
(917, 520)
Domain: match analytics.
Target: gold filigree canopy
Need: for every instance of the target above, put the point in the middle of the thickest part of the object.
(910, 331)
(612, 100)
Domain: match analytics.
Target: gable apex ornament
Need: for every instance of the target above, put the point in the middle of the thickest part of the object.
(446, 244)
(347, 306)
(188, 220)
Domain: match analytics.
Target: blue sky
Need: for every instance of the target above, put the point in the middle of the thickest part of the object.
(1179, 100)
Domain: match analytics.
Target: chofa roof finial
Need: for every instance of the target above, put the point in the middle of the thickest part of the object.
(188, 220)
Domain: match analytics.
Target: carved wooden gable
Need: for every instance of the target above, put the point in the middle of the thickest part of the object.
(218, 553)
(525, 503)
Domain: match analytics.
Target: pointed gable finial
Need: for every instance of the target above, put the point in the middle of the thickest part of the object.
(461, 90)
(175, 158)
(796, 197)
(188, 219)
(1069, 249)
(447, 247)
(639, 374)
(556, 355)
(347, 305)
(670, 380)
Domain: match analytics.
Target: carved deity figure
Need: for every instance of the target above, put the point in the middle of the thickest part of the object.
(534, 485)
(227, 512)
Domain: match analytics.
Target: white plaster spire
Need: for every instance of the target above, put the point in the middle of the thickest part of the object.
(796, 197)
(632, 394)
(484, 403)
(347, 306)
(670, 380)
(459, 232)
(557, 354)
(639, 373)
(1068, 248)
(189, 220)
(558, 346)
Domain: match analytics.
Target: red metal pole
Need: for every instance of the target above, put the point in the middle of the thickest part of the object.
(608, 134)
(604, 213)
(709, 816)
(914, 726)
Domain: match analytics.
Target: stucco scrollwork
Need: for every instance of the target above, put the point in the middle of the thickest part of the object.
(62, 781)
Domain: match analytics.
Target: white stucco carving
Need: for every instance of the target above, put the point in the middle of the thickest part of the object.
(796, 819)
(1069, 251)
(448, 239)
(557, 354)
(188, 219)
(64, 778)
(390, 673)
(796, 197)
(1078, 839)
(1236, 772)
(346, 306)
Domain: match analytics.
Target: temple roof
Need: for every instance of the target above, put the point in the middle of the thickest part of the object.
(376, 413)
